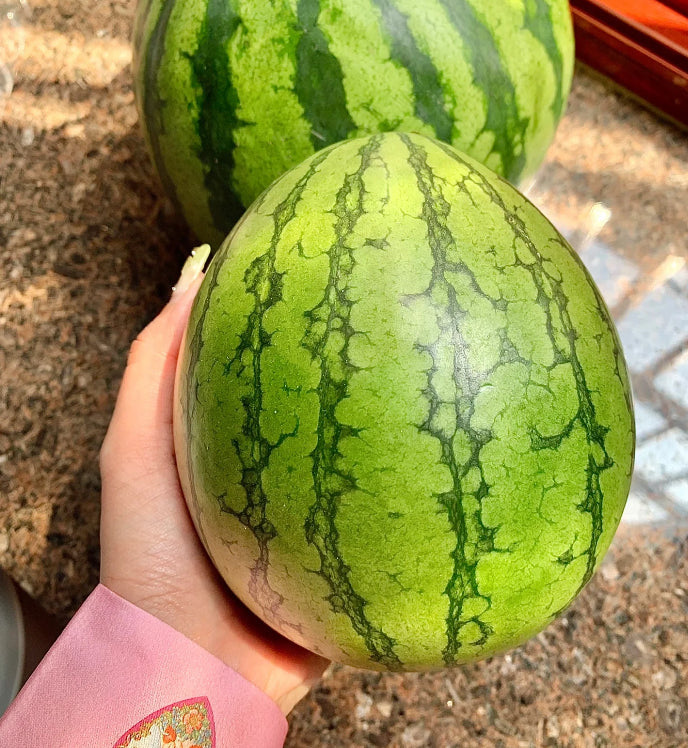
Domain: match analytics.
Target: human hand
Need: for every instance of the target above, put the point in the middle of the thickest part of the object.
(150, 552)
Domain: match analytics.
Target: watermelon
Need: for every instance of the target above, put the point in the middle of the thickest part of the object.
(232, 93)
(403, 420)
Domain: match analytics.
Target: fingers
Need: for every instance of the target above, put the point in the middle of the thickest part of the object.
(139, 439)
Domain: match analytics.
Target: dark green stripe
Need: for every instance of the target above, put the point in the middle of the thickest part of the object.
(217, 103)
(463, 584)
(331, 482)
(253, 449)
(319, 85)
(490, 75)
(538, 20)
(152, 105)
(427, 89)
(551, 293)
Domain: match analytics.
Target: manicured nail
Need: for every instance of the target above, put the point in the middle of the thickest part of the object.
(191, 269)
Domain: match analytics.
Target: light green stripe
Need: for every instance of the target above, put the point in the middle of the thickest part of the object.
(379, 92)
(562, 30)
(274, 135)
(561, 287)
(504, 123)
(530, 64)
(430, 105)
(440, 40)
(538, 20)
(179, 139)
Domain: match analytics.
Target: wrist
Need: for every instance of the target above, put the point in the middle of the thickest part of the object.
(227, 630)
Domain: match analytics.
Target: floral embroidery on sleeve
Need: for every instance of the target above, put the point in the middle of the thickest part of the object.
(185, 724)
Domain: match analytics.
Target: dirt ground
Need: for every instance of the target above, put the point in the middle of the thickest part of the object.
(88, 253)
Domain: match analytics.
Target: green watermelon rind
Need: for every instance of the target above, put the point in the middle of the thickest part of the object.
(403, 418)
(232, 93)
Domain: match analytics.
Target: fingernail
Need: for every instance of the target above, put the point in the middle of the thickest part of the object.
(191, 269)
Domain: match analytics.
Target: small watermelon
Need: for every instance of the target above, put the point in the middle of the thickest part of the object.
(232, 93)
(403, 420)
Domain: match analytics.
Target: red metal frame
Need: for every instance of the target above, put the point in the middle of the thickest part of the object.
(642, 45)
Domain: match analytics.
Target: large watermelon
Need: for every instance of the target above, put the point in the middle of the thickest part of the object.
(403, 420)
(232, 93)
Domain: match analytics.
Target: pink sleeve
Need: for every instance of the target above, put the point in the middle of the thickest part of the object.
(118, 677)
